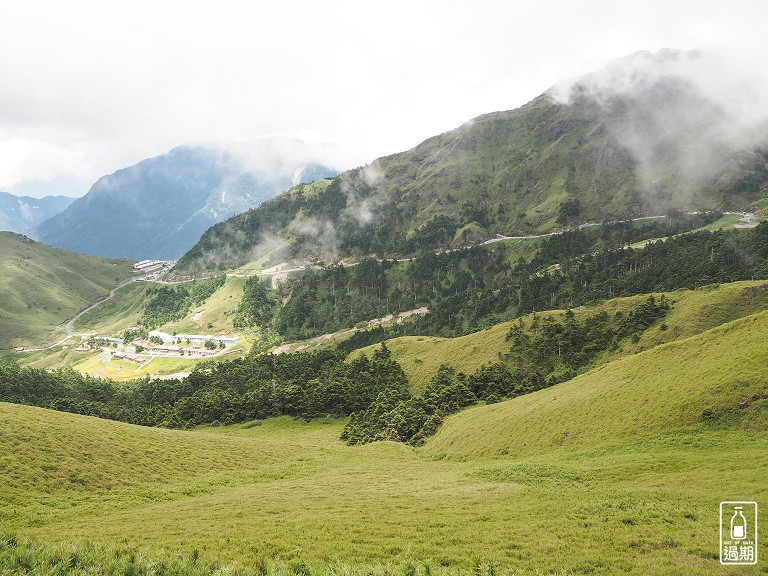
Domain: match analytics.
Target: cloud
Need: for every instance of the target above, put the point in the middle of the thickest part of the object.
(373, 174)
(360, 212)
(319, 233)
(681, 114)
(282, 156)
(360, 186)
(105, 80)
(270, 245)
(21, 156)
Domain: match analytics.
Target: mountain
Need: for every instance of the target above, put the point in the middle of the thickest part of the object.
(644, 136)
(42, 286)
(20, 213)
(160, 207)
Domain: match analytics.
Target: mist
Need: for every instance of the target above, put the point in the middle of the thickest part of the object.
(684, 116)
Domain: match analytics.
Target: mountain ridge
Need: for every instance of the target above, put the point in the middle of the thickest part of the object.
(542, 166)
(43, 286)
(160, 206)
(22, 213)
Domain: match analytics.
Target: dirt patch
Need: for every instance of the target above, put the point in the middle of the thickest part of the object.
(752, 291)
(326, 338)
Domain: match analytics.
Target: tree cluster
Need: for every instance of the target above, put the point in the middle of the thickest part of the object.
(466, 290)
(544, 353)
(307, 385)
(165, 304)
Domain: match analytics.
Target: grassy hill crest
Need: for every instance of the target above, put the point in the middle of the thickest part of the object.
(693, 312)
(713, 379)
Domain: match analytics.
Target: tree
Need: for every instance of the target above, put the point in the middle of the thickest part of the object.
(569, 212)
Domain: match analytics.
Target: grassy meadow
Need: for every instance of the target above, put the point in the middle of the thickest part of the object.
(113, 317)
(215, 315)
(618, 471)
(125, 309)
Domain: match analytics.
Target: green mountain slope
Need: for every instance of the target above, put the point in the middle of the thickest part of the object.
(713, 380)
(693, 312)
(548, 163)
(42, 286)
(618, 471)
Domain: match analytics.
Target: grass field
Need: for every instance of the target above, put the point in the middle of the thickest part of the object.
(619, 471)
(693, 311)
(125, 309)
(42, 287)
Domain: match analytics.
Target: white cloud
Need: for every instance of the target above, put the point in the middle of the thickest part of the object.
(720, 105)
(105, 85)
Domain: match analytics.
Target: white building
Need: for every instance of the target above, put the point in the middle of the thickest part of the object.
(196, 338)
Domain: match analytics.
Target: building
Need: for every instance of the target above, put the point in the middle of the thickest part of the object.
(193, 338)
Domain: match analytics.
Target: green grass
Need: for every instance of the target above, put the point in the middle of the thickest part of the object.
(126, 308)
(726, 223)
(94, 364)
(288, 490)
(619, 471)
(694, 383)
(693, 311)
(123, 310)
(63, 356)
(113, 317)
(215, 315)
(421, 356)
(42, 287)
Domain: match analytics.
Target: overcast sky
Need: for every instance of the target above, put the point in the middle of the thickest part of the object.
(89, 87)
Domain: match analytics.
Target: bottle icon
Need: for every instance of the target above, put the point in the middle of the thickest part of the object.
(738, 524)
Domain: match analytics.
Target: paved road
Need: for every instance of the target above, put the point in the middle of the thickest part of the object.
(68, 325)
(70, 333)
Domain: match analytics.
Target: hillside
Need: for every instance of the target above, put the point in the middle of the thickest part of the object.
(160, 207)
(714, 380)
(558, 160)
(127, 308)
(42, 286)
(618, 471)
(693, 312)
(20, 213)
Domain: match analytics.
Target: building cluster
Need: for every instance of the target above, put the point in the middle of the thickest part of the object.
(148, 265)
(193, 345)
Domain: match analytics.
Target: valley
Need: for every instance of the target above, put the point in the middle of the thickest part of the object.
(485, 494)
(530, 345)
(111, 318)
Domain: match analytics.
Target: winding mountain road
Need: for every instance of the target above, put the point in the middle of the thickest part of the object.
(68, 326)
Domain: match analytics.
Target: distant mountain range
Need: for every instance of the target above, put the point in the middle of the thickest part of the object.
(160, 207)
(21, 213)
(643, 136)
